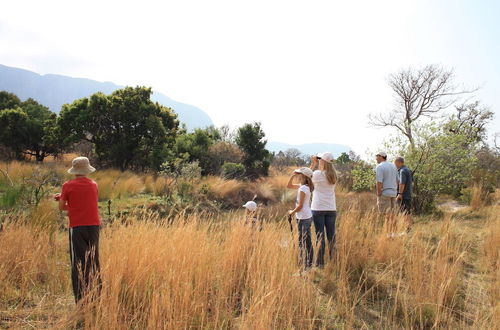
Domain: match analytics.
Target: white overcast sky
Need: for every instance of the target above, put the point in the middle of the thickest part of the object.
(310, 71)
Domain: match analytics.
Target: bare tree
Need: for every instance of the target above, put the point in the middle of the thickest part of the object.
(422, 92)
(226, 134)
(290, 157)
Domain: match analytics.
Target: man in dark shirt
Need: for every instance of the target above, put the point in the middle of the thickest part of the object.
(404, 189)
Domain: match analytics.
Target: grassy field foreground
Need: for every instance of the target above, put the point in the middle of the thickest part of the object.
(203, 272)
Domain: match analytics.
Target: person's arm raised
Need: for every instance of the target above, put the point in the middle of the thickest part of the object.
(314, 163)
(290, 184)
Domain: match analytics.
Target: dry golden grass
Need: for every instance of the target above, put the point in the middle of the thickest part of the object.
(479, 197)
(491, 250)
(158, 186)
(198, 272)
(30, 267)
(187, 275)
(16, 171)
(116, 184)
(224, 188)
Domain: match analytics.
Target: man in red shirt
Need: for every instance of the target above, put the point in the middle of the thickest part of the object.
(79, 197)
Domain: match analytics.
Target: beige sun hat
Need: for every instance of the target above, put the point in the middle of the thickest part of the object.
(81, 166)
(305, 170)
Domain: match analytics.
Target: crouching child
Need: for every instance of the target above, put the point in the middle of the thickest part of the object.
(251, 217)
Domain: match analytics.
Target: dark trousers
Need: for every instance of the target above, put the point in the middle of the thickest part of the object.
(305, 243)
(405, 205)
(84, 255)
(324, 221)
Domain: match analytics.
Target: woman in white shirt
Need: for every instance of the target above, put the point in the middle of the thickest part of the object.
(303, 213)
(324, 208)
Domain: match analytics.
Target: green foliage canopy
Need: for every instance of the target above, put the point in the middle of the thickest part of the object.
(27, 128)
(127, 129)
(251, 140)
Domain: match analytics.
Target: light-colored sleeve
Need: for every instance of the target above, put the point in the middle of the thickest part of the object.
(379, 174)
(305, 189)
(317, 176)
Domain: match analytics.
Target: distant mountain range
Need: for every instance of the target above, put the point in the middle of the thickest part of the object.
(55, 90)
(309, 148)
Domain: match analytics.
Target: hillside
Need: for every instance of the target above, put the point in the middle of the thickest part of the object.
(56, 90)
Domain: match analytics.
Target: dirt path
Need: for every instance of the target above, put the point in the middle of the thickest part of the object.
(451, 206)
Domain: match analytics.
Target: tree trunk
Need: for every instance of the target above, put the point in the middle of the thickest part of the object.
(40, 156)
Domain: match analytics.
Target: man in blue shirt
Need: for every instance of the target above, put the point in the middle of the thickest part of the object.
(405, 180)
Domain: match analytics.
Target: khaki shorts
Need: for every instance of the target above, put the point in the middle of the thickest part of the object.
(385, 204)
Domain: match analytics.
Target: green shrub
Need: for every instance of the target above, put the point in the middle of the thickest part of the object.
(182, 169)
(233, 170)
(190, 171)
(363, 178)
(185, 190)
(10, 196)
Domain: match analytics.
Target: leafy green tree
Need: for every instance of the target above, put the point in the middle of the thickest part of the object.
(13, 129)
(355, 173)
(195, 146)
(251, 140)
(487, 173)
(9, 100)
(470, 120)
(28, 129)
(127, 129)
(344, 158)
(442, 161)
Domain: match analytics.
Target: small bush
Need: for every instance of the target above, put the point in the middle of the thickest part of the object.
(10, 196)
(363, 178)
(233, 170)
(182, 169)
(190, 171)
(185, 190)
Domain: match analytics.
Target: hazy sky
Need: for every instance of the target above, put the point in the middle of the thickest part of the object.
(310, 71)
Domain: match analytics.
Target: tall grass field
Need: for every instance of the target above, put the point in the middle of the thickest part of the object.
(203, 268)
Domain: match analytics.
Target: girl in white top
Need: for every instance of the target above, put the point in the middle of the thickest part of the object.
(324, 206)
(303, 213)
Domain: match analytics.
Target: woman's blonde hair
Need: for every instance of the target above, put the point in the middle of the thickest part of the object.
(305, 180)
(330, 172)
